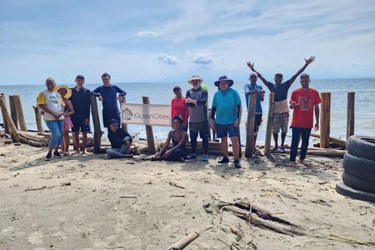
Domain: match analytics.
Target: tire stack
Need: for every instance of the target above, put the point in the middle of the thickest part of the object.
(359, 169)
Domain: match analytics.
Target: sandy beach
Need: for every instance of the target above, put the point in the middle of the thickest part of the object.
(91, 202)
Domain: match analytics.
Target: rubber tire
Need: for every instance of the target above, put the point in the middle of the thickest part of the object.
(341, 188)
(362, 168)
(362, 146)
(358, 183)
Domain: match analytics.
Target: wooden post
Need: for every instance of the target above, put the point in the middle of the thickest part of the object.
(271, 108)
(19, 110)
(13, 111)
(250, 125)
(8, 120)
(149, 132)
(123, 124)
(325, 119)
(38, 119)
(96, 121)
(350, 115)
(6, 128)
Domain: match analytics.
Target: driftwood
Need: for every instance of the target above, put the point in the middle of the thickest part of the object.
(38, 119)
(181, 244)
(19, 111)
(337, 141)
(329, 152)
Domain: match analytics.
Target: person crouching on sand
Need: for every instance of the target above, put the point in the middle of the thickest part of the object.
(51, 103)
(179, 139)
(66, 93)
(120, 141)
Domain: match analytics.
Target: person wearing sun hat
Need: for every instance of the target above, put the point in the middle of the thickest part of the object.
(196, 100)
(226, 105)
(66, 93)
(51, 103)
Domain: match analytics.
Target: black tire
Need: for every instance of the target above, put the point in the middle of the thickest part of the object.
(358, 183)
(362, 168)
(341, 188)
(362, 146)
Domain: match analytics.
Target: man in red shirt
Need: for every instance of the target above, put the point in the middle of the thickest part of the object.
(304, 101)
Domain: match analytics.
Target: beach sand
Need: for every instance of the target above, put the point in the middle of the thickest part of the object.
(90, 202)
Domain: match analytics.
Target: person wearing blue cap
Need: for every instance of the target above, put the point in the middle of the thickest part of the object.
(120, 141)
(226, 117)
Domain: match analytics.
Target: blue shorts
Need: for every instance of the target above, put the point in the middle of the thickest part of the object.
(225, 130)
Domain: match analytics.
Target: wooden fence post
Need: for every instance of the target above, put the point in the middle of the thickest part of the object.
(38, 119)
(123, 124)
(325, 119)
(19, 110)
(350, 115)
(8, 120)
(250, 124)
(96, 121)
(13, 110)
(271, 108)
(149, 132)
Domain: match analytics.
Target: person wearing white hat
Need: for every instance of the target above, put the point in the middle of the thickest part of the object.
(196, 100)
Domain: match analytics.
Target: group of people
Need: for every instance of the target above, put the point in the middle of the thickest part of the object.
(66, 108)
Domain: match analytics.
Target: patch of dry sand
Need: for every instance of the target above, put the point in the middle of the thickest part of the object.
(90, 202)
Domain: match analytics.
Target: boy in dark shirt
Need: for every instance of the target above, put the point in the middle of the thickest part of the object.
(120, 141)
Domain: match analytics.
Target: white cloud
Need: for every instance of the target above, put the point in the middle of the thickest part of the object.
(203, 57)
(148, 34)
(168, 59)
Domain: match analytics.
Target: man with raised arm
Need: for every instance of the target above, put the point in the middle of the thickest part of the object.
(281, 112)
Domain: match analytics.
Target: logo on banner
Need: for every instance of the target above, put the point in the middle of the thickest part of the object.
(127, 114)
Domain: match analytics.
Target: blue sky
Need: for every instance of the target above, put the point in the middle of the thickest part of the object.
(168, 41)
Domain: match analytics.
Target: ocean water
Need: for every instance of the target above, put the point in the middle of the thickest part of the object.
(161, 93)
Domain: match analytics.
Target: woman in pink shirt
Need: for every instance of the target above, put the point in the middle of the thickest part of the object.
(178, 107)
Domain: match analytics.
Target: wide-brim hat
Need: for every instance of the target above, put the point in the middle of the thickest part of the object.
(195, 77)
(224, 78)
(68, 91)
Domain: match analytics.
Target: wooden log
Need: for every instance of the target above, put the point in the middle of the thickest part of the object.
(350, 115)
(337, 141)
(96, 121)
(19, 110)
(13, 110)
(250, 124)
(329, 152)
(149, 131)
(8, 119)
(181, 244)
(34, 137)
(325, 116)
(38, 119)
(271, 108)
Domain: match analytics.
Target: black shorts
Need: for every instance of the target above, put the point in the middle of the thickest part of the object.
(199, 127)
(108, 115)
(79, 125)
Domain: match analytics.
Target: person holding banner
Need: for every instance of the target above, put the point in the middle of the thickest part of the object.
(178, 107)
(196, 100)
(120, 141)
(179, 139)
(107, 94)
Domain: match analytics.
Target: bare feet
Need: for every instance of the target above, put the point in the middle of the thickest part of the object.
(76, 152)
(291, 164)
(302, 161)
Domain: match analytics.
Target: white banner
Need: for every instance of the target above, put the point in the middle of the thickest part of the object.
(147, 114)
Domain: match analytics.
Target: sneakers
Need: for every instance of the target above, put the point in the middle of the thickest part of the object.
(282, 150)
(237, 164)
(191, 156)
(48, 157)
(224, 160)
(57, 154)
(205, 158)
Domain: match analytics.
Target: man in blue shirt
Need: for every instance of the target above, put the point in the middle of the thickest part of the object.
(107, 94)
(227, 107)
(251, 88)
(281, 112)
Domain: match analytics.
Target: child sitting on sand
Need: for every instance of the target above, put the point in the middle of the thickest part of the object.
(179, 139)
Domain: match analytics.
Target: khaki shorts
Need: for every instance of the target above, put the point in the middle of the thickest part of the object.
(280, 120)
